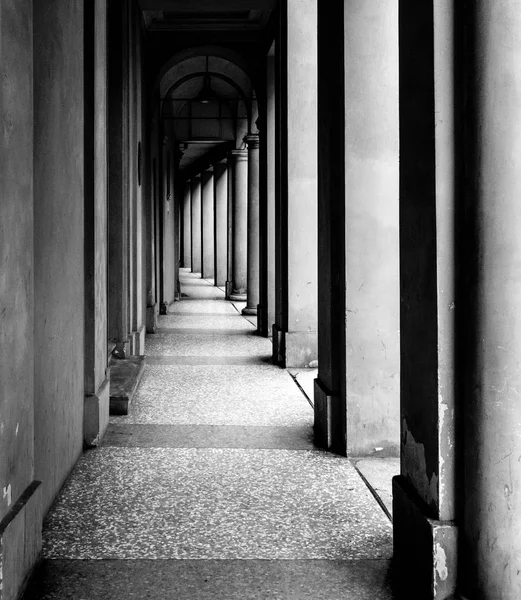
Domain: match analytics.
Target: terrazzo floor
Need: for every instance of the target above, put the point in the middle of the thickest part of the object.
(211, 488)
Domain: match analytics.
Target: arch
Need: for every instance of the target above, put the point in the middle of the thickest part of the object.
(196, 51)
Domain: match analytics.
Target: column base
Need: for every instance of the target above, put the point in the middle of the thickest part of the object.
(151, 317)
(120, 350)
(238, 297)
(249, 311)
(96, 415)
(425, 550)
(323, 409)
(262, 321)
(228, 289)
(137, 342)
(125, 376)
(163, 308)
(20, 542)
(295, 349)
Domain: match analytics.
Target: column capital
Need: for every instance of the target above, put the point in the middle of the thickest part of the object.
(209, 169)
(238, 155)
(252, 139)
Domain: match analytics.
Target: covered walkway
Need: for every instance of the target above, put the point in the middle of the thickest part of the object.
(211, 487)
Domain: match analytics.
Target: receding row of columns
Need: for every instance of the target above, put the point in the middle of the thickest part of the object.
(221, 224)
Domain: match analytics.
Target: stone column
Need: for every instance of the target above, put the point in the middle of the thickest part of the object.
(96, 382)
(239, 171)
(491, 536)
(207, 224)
(357, 391)
(229, 232)
(295, 330)
(220, 174)
(187, 226)
(196, 223)
(266, 314)
(152, 282)
(424, 495)
(252, 140)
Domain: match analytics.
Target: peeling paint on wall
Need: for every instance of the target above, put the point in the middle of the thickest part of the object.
(415, 466)
(7, 495)
(440, 565)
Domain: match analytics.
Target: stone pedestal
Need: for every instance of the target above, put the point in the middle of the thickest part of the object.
(195, 185)
(238, 160)
(207, 224)
(253, 225)
(220, 176)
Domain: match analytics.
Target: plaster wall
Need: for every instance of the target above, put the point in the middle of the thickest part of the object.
(16, 253)
(58, 240)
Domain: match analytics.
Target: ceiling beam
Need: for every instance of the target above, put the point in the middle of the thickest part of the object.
(194, 5)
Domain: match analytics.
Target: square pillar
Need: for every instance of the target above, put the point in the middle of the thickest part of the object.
(424, 495)
(295, 329)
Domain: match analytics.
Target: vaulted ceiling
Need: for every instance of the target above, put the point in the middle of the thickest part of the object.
(195, 22)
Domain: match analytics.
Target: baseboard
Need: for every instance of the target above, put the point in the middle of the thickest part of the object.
(20, 542)
(125, 376)
(151, 318)
(96, 415)
(295, 349)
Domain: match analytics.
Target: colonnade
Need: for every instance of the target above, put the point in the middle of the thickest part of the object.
(221, 223)
(408, 235)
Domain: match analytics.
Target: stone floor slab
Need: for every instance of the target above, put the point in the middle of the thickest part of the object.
(209, 436)
(212, 580)
(379, 473)
(191, 344)
(209, 307)
(217, 322)
(209, 360)
(218, 395)
(162, 503)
